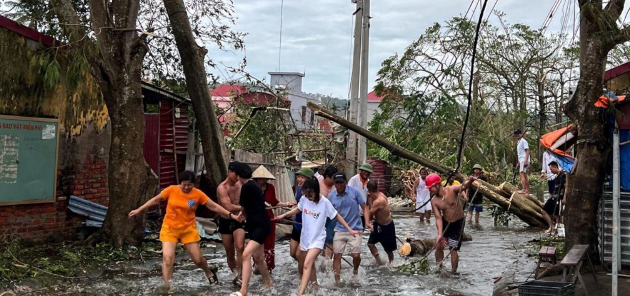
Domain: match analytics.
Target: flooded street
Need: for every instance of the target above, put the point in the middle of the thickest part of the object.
(491, 252)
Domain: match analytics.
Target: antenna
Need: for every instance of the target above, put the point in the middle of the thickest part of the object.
(280, 45)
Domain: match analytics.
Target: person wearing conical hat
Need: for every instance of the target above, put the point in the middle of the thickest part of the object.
(262, 176)
(475, 198)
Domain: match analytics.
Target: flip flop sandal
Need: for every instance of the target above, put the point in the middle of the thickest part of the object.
(237, 282)
(213, 280)
(236, 294)
(171, 290)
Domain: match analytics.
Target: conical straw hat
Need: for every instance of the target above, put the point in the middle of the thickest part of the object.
(262, 173)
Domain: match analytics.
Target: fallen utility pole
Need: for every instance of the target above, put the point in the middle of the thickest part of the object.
(517, 204)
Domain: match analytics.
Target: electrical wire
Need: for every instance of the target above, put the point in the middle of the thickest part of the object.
(470, 83)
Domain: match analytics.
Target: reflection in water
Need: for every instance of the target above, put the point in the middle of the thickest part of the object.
(487, 256)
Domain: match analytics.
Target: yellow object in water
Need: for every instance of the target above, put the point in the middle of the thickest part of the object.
(405, 249)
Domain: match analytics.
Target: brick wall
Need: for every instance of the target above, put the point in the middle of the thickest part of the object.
(82, 171)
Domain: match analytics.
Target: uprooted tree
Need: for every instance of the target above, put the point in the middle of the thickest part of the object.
(524, 207)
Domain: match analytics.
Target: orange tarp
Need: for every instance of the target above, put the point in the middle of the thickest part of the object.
(548, 139)
(602, 102)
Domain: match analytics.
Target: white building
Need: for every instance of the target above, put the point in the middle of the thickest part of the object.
(291, 84)
(372, 105)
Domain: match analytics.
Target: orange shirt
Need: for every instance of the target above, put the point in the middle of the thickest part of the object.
(180, 210)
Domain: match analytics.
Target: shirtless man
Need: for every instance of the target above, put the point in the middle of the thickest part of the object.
(232, 232)
(449, 217)
(383, 229)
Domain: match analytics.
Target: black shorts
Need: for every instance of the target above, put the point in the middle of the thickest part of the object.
(228, 226)
(363, 221)
(295, 234)
(552, 207)
(384, 234)
(453, 232)
(259, 232)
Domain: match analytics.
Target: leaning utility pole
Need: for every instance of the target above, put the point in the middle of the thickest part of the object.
(365, 50)
(351, 153)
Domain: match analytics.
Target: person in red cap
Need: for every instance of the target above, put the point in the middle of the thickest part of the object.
(449, 217)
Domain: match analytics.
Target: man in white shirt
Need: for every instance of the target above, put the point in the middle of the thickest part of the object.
(522, 150)
(546, 172)
(360, 180)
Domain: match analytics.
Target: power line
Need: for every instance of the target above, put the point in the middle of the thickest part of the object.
(470, 83)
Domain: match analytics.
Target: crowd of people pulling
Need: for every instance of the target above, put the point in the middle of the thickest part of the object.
(331, 213)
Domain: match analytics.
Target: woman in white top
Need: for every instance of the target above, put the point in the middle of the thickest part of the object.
(315, 210)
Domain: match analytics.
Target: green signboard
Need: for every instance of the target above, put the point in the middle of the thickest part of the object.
(28, 159)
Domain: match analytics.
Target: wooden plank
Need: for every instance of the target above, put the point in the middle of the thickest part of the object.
(575, 255)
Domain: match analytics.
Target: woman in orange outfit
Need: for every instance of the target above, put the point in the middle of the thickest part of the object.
(179, 224)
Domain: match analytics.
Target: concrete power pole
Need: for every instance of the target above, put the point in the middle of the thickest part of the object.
(365, 50)
(351, 154)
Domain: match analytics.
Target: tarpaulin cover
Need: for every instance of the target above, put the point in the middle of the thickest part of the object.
(565, 160)
(624, 162)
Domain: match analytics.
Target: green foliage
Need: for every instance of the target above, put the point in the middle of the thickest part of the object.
(500, 216)
(18, 262)
(268, 130)
(547, 241)
(425, 93)
(416, 267)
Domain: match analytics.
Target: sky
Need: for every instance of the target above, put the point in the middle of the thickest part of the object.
(317, 34)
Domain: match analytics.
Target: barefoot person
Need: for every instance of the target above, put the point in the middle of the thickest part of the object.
(232, 232)
(422, 196)
(449, 217)
(522, 150)
(551, 209)
(294, 248)
(179, 224)
(262, 176)
(383, 229)
(258, 225)
(316, 209)
(326, 186)
(475, 198)
(347, 200)
(359, 181)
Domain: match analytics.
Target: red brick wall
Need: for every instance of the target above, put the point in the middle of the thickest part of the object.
(82, 172)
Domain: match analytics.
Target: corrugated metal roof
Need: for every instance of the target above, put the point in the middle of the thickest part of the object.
(94, 212)
(284, 190)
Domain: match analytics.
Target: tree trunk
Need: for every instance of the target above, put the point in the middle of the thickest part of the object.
(529, 214)
(130, 179)
(118, 69)
(584, 186)
(192, 56)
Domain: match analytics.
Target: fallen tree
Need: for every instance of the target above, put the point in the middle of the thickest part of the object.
(518, 204)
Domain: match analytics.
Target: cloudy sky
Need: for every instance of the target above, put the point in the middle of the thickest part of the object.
(317, 34)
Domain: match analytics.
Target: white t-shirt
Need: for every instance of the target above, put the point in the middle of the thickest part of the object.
(355, 182)
(314, 222)
(422, 195)
(548, 158)
(521, 147)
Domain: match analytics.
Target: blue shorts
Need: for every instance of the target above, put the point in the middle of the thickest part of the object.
(330, 230)
(477, 208)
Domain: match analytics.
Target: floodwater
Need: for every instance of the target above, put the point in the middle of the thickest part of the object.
(492, 251)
